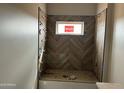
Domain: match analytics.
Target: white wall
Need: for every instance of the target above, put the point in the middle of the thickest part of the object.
(101, 7)
(108, 36)
(71, 9)
(101, 27)
(18, 46)
(32, 8)
(116, 68)
(100, 40)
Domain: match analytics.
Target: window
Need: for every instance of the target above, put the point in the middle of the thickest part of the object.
(69, 28)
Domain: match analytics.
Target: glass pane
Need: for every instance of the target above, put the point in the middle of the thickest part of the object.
(69, 28)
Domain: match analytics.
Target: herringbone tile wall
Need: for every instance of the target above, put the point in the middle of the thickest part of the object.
(70, 52)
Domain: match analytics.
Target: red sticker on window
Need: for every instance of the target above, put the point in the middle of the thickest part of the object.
(69, 28)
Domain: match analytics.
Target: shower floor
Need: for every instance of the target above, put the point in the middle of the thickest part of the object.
(67, 75)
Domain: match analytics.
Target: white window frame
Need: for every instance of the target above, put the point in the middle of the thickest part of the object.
(70, 22)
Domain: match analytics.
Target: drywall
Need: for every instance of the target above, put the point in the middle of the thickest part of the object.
(108, 41)
(100, 38)
(71, 9)
(32, 8)
(100, 41)
(108, 36)
(101, 7)
(18, 46)
(116, 66)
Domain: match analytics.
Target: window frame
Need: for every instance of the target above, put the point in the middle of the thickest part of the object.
(70, 22)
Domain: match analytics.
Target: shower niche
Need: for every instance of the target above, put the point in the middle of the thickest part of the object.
(73, 58)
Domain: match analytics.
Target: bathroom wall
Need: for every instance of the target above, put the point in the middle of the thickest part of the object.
(32, 8)
(18, 45)
(116, 66)
(113, 59)
(101, 7)
(71, 9)
(70, 52)
(100, 43)
(108, 38)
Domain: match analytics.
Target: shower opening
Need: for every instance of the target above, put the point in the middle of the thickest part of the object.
(73, 57)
